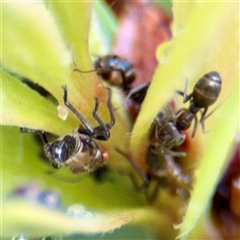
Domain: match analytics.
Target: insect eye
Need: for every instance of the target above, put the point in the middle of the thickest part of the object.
(58, 153)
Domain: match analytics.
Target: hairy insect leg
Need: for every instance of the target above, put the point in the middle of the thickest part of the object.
(86, 124)
(40, 132)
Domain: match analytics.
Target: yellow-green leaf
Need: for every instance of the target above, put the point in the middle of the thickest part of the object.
(23, 107)
(32, 46)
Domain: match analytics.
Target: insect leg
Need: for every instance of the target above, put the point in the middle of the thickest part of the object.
(184, 93)
(88, 71)
(151, 195)
(78, 70)
(102, 132)
(110, 108)
(86, 124)
(98, 133)
(40, 132)
(135, 167)
(194, 126)
(203, 114)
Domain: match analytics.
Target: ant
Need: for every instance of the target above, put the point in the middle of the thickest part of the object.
(163, 138)
(78, 150)
(163, 133)
(163, 171)
(116, 70)
(205, 93)
(120, 72)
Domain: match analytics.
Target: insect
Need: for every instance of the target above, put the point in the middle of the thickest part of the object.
(163, 134)
(163, 171)
(205, 93)
(116, 70)
(79, 150)
(167, 173)
(120, 72)
(163, 138)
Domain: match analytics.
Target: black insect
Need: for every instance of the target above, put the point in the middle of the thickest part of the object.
(79, 150)
(110, 66)
(120, 72)
(205, 93)
(163, 138)
(167, 173)
(163, 171)
(163, 134)
(116, 70)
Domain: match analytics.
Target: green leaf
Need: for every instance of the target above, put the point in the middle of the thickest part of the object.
(75, 35)
(26, 108)
(32, 47)
(103, 29)
(36, 220)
